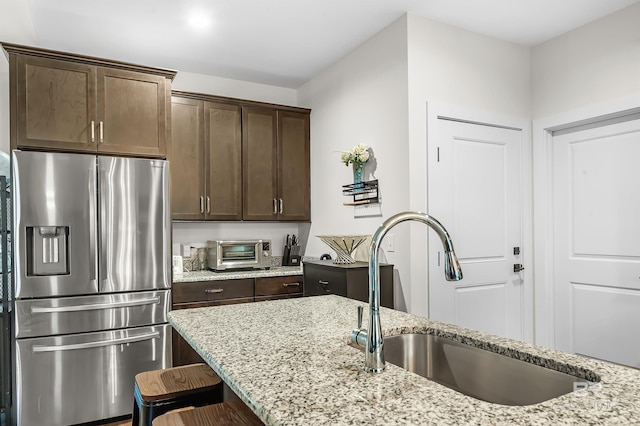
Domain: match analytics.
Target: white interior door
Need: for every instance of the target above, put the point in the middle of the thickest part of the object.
(474, 187)
(596, 198)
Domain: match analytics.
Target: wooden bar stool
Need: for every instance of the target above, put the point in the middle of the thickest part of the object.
(228, 413)
(159, 391)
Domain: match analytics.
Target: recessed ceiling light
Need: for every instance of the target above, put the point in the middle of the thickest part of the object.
(199, 20)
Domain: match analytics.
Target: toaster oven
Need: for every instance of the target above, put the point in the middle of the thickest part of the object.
(248, 254)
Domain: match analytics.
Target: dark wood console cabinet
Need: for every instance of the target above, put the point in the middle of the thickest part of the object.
(349, 280)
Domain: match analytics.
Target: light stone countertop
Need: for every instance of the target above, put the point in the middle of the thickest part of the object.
(277, 271)
(289, 362)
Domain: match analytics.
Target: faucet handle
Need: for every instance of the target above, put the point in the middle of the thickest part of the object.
(360, 311)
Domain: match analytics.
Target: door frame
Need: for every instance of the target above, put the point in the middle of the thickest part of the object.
(437, 109)
(543, 250)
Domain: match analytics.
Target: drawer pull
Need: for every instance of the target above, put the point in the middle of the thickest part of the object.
(214, 290)
(323, 282)
(291, 285)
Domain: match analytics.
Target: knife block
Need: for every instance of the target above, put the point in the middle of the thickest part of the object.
(289, 258)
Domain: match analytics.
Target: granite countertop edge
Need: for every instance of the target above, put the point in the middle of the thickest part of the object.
(197, 276)
(309, 375)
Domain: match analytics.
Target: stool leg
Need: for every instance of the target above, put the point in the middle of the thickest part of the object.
(135, 418)
(146, 416)
(140, 416)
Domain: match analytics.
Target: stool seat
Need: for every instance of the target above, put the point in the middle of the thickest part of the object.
(229, 413)
(177, 381)
(158, 391)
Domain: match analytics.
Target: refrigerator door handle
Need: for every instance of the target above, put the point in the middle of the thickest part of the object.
(93, 306)
(93, 233)
(102, 224)
(96, 344)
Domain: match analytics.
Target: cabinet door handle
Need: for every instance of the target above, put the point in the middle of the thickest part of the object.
(275, 206)
(101, 132)
(201, 204)
(291, 285)
(323, 282)
(281, 206)
(93, 131)
(208, 205)
(214, 290)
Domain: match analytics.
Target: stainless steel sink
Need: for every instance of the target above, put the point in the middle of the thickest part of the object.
(476, 372)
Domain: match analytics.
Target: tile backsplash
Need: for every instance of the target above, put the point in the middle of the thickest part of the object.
(197, 261)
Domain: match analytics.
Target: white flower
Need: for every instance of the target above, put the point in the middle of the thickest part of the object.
(358, 154)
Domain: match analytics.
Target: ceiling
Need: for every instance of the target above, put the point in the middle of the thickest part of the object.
(277, 42)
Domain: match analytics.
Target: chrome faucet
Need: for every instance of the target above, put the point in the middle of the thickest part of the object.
(371, 339)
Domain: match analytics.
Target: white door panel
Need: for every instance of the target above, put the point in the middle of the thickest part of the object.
(598, 173)
(471, 191)
(492, 297)
(591, 307)
(596, 203)
(473, 184)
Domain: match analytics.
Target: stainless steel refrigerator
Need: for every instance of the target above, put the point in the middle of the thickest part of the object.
(92, 283)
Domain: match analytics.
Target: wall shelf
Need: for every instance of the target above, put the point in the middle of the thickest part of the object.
(362, 193)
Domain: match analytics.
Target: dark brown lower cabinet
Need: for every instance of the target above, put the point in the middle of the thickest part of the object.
(226, 292)
(273, 288)
(348, 280)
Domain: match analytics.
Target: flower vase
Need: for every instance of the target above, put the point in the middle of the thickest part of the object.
(358, 168)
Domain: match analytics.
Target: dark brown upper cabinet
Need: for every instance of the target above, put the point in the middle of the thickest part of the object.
(260, 163)
(66, 102)
(234, 159)
(276, 163)
(206, 160)
(186, 159)
(294, 179)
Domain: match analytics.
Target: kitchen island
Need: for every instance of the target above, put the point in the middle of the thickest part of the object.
(289, 361)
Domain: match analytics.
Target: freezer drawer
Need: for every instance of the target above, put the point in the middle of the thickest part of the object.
(80, 314)
(86, 377)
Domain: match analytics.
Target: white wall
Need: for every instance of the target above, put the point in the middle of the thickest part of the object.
(589, 72)
(199, 83)
(595, 63)
(451, 66)
(16, 28)
(377, 95)
(361, 99)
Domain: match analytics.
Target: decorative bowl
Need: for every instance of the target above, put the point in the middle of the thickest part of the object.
(343, 245)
